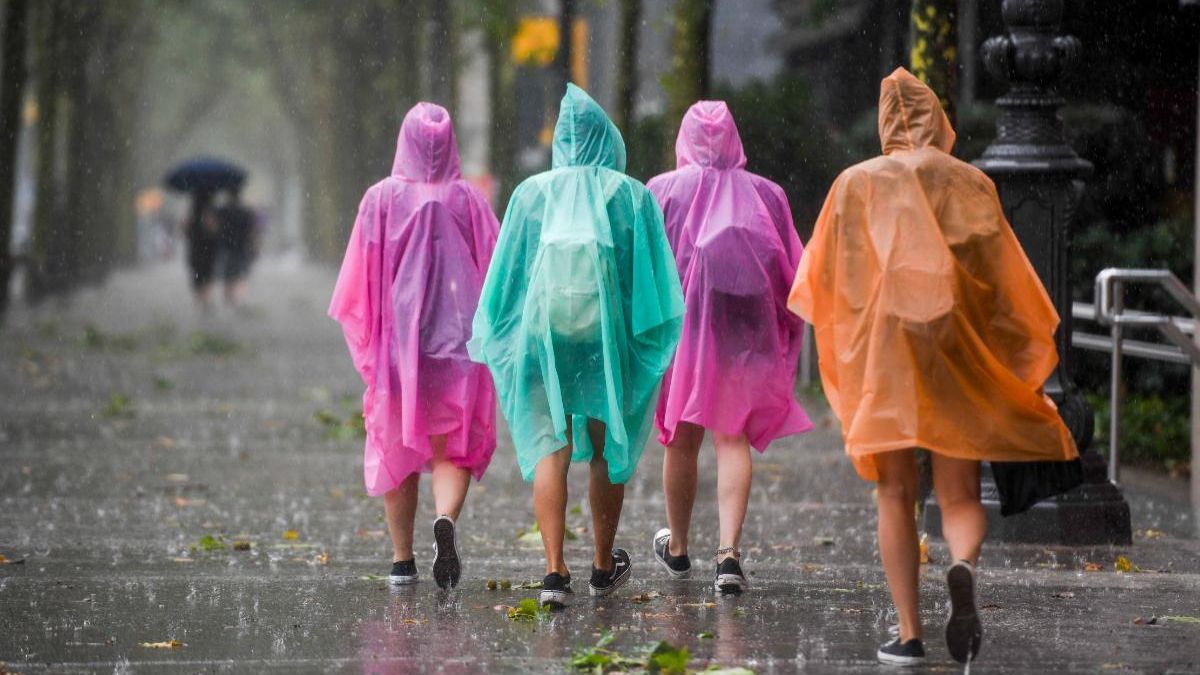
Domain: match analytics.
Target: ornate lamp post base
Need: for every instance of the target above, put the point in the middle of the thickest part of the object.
(1039, 178)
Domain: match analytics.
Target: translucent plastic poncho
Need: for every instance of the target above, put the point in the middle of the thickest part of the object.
(405, 297)
(932, 327)
(581, 308)
(737, 251)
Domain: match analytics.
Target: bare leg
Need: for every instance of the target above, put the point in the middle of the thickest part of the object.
(550, 504)
(733, 487)
(898, 546)
(605, 498)
(401, 507)
(679, 483)
(450, 483)
(964, 523)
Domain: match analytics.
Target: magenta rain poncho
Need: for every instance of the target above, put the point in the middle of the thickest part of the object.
(581, 309)
(737, 253)
(405, 297)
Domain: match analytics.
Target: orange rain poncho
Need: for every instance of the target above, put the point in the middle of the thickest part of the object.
(932, 328)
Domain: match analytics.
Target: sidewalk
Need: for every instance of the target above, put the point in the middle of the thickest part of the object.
(134, 435)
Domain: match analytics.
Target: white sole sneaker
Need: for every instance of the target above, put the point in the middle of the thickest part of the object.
(554, 599)
(675, 574)
(964, 633)
(402, 579)
(894, 660)
(730, 583)
(446, 566)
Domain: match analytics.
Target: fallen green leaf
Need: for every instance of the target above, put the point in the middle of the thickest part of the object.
(667, 658)
(119, 405)
(528, 610)
(210, 543)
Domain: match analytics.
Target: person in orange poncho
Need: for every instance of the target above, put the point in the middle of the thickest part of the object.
(933, 332)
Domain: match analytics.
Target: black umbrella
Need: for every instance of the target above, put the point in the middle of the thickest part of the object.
(205, 174)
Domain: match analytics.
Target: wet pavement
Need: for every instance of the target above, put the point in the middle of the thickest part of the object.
(142, 446)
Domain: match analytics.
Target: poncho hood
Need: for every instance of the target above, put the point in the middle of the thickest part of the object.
(709, 137)
(426, 150)
(584, 136)
(911, 116)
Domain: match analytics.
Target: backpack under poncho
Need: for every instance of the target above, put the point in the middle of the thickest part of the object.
(581, 308)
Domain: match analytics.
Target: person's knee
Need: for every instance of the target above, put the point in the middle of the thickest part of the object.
(953, 499)
(903, 491)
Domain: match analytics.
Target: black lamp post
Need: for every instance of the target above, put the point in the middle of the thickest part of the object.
(1039, 178)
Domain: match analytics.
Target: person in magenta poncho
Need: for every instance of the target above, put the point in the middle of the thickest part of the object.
(405, 297)
(734, 372)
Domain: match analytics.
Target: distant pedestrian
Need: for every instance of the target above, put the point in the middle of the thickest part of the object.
(735, 371)
(405, 297)
(933, 332)
(579, 317)
(202, 234)
(238, 231)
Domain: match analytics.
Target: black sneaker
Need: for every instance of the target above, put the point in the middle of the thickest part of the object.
(963, 630)
(556, 591)
(678, 566)
(446, 568)
(729, 577)
(606, 581)
(404, 572)
(896, 653)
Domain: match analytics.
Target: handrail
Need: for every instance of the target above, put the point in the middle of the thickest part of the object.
(1110, 310)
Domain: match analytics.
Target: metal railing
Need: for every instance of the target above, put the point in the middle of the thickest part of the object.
(1110, 311)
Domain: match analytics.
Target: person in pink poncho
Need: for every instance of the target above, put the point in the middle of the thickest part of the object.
(405, 297)
(734, 372)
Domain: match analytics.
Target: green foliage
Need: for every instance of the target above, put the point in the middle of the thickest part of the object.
(1154, 430)
(646, 147)
(600, 659)
(209, 543)
(787, 142)
(119, 406)
(658, 657)
(667, 658)
(203, 343)
(338, 428)
(528, 610)
(94, 338)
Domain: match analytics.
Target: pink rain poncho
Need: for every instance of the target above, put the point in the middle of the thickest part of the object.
(405, 297)
(737, 253)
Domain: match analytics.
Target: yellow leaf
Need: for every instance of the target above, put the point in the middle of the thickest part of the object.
(924, 549)
(167, 644)
(1092, 567)
(291, 535)
(1124, 565)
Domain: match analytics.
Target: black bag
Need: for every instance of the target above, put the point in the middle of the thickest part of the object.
(1023, 484)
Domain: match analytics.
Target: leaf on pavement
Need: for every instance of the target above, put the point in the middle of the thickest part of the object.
(165, 644)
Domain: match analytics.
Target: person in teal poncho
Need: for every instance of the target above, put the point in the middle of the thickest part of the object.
(580, 314)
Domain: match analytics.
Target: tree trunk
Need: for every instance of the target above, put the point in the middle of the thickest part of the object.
(499, 26)
(934, 49)
(45, 249)
(968, 50)
(563, 60)
(688, 80)
(443, 55)
(12, 87)
(630, 24)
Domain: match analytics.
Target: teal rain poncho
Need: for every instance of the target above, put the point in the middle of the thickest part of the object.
(581, 308)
